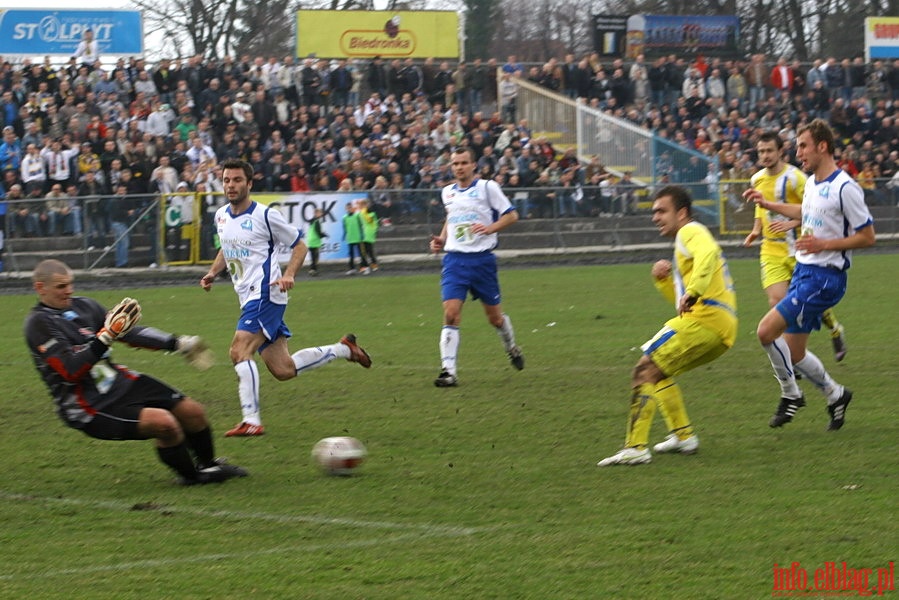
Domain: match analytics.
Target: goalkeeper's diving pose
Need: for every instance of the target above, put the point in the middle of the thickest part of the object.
(70, 338)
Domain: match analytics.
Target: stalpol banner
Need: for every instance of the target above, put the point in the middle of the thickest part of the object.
(881, 38)
(367, 33)
(58, 32)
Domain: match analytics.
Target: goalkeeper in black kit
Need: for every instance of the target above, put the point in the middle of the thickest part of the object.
(70, 339)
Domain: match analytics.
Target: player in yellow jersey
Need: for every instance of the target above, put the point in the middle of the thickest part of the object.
(699, 285)
(779, 181)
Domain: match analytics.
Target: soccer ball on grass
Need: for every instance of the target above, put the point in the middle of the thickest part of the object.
(339, 455)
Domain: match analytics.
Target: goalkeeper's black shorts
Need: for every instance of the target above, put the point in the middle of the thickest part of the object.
(119, 419)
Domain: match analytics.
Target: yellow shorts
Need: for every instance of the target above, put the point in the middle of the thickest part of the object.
(777, 270)
(683, 344)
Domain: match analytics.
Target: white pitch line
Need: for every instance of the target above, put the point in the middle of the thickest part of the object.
(256, 516)
(205, 558)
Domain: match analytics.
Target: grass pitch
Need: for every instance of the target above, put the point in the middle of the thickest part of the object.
(488, 490)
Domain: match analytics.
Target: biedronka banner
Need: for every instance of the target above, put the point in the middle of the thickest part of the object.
(388, 34)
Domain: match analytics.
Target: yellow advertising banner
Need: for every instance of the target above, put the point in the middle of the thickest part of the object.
(388, 34)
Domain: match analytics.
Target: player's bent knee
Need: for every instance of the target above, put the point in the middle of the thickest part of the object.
(645, 371)
(283, 374)
(237, 355)
(765, 334)
(452, 319)
(160, 424)
(191, 414)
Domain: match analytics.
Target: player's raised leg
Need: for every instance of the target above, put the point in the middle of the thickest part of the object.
(838, 396)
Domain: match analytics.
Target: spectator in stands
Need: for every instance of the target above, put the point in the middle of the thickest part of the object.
(159, 122)
(638, 75)
(24, 222)
(60, 216)
(95, 208)
(376, 77)
(122, 209)
(200, 154)
(513, 67)
(543, 198)
(87, 51)
(10, 150)
(33, 172)
(782, 77)
(756, 75)
(475, 83)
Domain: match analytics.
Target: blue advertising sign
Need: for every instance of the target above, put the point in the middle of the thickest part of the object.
(43, 32)
(654, 35)
(299, 210)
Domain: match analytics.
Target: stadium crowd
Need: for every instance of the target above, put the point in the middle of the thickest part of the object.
(85, 130)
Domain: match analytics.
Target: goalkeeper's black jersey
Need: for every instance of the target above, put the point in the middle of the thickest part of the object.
(76, 365)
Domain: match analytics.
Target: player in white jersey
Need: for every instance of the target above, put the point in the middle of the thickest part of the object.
(780, 181)
(476, 210)
(834, 221)
(251, 235)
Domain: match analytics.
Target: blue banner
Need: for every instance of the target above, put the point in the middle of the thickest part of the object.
(55, 32)
(299, 210)
(656, 35)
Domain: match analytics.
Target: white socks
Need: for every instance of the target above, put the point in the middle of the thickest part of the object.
(312, 358)
(506, 333)
(779, 355)
(304, 360)
(449, 343)
(248, 391)
(449, 348)
(813, 369)
(810, 366)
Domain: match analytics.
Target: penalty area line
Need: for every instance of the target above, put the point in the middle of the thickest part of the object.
(427, 528)
(223, 556)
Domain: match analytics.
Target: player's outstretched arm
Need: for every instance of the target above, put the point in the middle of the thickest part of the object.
(793, 211)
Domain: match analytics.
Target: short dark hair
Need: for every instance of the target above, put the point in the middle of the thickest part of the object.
(47, 269)
(236, 163)
(680, 197)
(466, 150)
(772, 136)
(820, 132)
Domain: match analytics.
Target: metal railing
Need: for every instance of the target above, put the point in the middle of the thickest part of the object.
(622, 145)
(179, 229)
